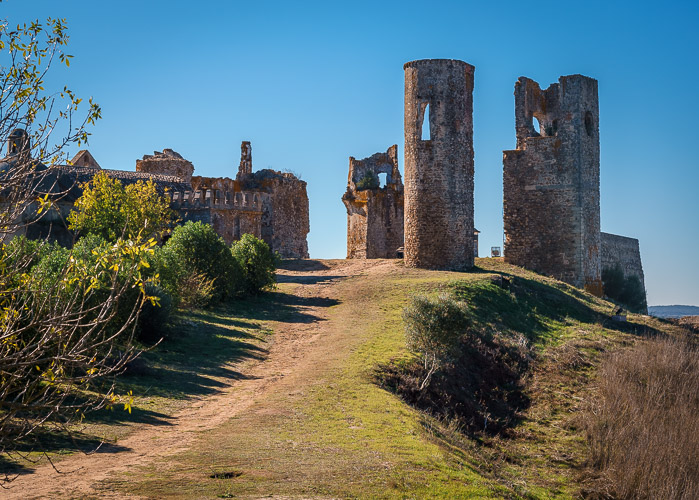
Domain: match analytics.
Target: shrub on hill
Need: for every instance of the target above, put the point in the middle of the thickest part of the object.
(195, 249)
(112, 211)
(257, 263)
(478, 381)
(433, 328)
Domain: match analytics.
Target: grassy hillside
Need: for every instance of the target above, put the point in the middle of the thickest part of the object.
(334, 432)
(323, 426)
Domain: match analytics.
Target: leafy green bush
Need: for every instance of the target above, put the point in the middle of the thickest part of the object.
(433, 328)
(257, 263)
(24, 252)
(369, 181)
(195, 248)
(626, 290)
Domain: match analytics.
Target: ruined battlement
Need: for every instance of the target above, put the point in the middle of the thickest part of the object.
(222, 200)
(376, 164)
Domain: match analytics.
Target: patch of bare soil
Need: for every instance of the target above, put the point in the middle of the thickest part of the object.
(294, 348)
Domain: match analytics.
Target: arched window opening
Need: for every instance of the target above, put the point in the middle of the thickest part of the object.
(426, 133)
(383, 176)
(536, 125)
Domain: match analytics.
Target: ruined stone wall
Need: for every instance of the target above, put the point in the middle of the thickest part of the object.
(622, 251)
(167, 162)
(439, 169)
(285, 218)
(551, 182)
(374, 215)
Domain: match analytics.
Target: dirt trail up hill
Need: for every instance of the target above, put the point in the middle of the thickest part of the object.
(293, 350)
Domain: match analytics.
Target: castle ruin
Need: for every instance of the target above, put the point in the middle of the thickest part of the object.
(551, 187)
(268, 204)
(374, 213)
(439, 167)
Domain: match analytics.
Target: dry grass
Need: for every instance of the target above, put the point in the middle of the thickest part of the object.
(643, 429)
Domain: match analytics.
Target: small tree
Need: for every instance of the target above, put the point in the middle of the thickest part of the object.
(257, 262)
(58, 337)
(369, 181)
(433, 328)
(110, 210)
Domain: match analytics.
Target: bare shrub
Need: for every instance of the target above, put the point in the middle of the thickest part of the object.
(643, 429)
(195, 290)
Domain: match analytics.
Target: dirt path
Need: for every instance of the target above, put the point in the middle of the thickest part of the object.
(293, 346)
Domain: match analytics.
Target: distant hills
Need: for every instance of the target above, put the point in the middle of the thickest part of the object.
(673, 311)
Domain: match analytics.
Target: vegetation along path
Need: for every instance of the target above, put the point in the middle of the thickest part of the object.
(305, 418)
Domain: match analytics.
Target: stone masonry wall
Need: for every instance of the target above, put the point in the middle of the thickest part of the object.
(551, 182)
(167, 162)
(374, 216)
(439, 169)
(622, 251)
(285, 220)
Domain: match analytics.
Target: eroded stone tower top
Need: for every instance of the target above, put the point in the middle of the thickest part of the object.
(167, 162)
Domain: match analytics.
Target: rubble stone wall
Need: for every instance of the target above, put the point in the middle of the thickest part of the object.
(439, 169)
(285, 220)
(374, 215)
(551, 182)
(167, 162)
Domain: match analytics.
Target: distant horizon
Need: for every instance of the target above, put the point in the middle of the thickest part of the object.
(312, 84)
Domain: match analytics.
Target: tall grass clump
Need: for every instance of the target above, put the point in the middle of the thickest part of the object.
(643, 428)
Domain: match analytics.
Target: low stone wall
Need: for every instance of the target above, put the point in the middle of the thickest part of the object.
(622, 251)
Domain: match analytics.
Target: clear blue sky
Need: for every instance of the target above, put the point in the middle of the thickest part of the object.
(311, 84)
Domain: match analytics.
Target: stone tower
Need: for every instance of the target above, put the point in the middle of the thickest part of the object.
(551, 182)
(439, 168)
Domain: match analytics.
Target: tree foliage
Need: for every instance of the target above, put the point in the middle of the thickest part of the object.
(66, 316)
(110, 210)
(369, 181)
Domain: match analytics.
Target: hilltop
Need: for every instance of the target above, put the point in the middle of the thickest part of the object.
(674, 311)
(282, 396)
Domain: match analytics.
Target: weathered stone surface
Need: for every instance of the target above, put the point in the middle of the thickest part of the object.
(166, 163)
(624, 252)
(551, 182)
(267, 204)
(374, 215)
(439, 169)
